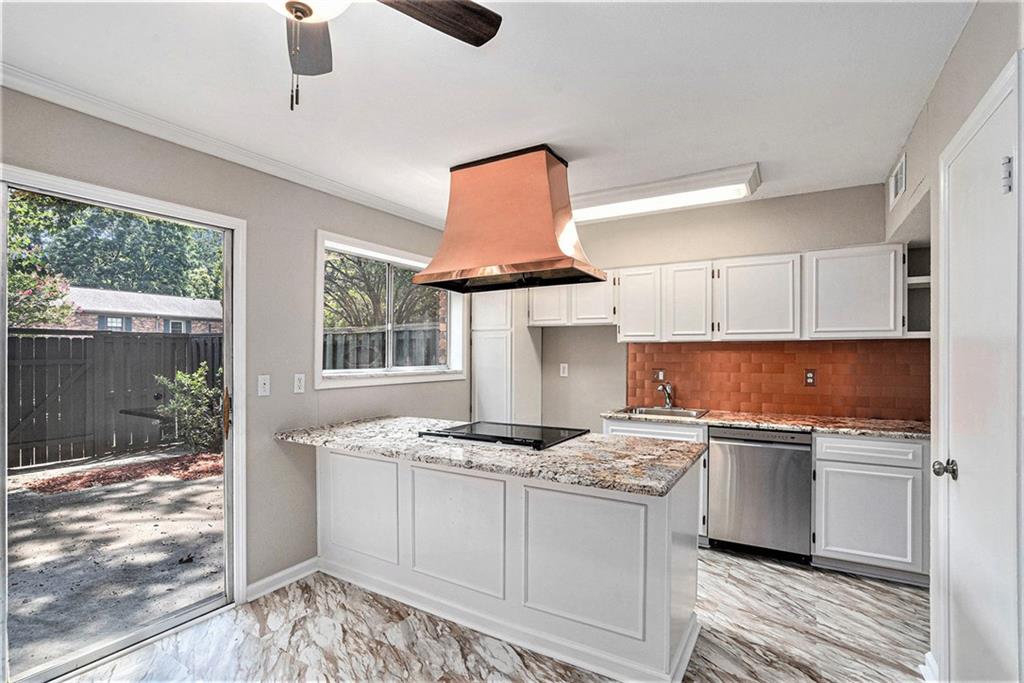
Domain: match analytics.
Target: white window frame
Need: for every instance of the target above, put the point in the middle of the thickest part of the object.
(120, 326)
(339, 379)
(171, 323)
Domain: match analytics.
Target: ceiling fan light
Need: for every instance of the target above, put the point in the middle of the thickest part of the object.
(322, 10)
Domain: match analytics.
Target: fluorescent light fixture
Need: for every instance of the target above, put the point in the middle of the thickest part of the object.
(712, 187)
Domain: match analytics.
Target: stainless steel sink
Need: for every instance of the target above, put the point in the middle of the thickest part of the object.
(667, 412)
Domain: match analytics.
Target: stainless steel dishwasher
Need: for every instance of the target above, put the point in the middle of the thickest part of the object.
(759, 488)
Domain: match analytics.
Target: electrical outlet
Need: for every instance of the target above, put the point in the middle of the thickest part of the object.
(263, 385)
(659, 374)
(810, 377)
(563, 369)
(300, 383)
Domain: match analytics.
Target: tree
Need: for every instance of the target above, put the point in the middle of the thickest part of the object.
(105, 248)
(36, 297)
(193, 405)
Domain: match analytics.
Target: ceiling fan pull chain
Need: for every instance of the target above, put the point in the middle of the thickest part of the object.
(291, 93)
(296, 90)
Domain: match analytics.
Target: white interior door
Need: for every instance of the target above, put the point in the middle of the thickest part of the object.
(975, 595)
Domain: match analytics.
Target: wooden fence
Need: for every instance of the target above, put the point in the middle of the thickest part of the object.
(75, 394)
(416, 345)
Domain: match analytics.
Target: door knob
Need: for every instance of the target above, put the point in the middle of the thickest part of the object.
(949, 467)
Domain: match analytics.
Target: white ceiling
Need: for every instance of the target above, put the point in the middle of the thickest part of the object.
(821, 94)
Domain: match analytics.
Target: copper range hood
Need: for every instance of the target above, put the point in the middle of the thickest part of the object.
(509, 226)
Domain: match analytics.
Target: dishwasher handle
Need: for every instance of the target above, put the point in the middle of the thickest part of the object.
(762, 444)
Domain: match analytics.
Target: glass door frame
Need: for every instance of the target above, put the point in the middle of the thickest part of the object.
(234, 230)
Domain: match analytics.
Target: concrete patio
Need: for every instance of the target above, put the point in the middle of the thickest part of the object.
(95, 563)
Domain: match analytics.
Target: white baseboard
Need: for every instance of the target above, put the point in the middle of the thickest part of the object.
(282, 578)
(930, 669)
(542, 643)
(679, 667)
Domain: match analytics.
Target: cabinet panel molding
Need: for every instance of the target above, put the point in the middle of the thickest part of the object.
(639, 304)
(869, 514)
(686, 301)
(855, 292)
(362, 511)
(758, 297)
(458, 529)
(563, 530)
(549, 305)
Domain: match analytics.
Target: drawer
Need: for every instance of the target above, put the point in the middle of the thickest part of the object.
(656, 430)
(895, 453)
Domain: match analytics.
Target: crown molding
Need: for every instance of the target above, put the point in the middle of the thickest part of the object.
(32, 84)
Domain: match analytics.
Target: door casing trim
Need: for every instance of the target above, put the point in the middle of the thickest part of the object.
(52, 184)
(936, 665)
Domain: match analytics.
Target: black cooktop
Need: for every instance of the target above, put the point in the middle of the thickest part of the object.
(536, 437)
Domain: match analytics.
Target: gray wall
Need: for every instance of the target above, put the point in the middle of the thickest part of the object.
(597, 375)
(282, 221)
(834, 218)
(597, 363)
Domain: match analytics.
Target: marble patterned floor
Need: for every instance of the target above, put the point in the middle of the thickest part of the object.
(761, 620)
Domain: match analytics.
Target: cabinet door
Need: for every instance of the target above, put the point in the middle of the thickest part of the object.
(592, 303)
(491, 310)
(869, 514)
(492, 375)
(856, 292)
(686, 301)
(639, 295)
(549, 306)
(758, 298)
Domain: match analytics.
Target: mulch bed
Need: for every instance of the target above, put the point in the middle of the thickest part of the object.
(184, 467)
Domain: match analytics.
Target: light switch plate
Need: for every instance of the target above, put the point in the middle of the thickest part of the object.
(563, 369)
(300, 383)
(263, 385)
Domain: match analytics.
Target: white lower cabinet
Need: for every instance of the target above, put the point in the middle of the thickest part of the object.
(870, 514)
(695, 433)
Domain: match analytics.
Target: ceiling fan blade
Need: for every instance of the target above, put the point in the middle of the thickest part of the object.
(467, 21)
(309, 47)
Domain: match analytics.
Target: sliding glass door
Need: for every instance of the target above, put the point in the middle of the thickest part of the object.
(118, 495)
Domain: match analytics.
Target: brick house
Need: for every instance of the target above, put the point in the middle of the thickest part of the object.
(108, 309)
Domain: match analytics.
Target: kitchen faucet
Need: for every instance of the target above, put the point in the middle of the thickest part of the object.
(666, 387)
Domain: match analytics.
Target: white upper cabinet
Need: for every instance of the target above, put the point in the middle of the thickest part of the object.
(855, 292)
(757, 297)
(639, 304)
(491, 310)
(686, 301)
(592, 303)
(549, 305)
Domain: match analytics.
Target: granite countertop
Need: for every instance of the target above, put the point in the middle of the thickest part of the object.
(849, 426)
(630, 464)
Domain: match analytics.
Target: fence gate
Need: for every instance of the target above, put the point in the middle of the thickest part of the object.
(74, 394)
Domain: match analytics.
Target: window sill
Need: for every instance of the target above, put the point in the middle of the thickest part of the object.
(383, 379)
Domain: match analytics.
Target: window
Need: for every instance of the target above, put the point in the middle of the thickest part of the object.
(115, 324)
(176, 327)
(374, 325)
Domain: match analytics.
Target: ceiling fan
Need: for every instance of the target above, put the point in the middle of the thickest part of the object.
(309, 39)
